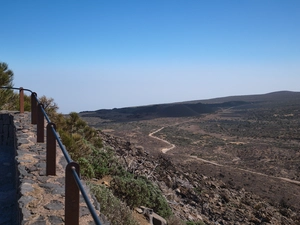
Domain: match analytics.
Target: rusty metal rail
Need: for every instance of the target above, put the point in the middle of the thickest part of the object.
(73, 183)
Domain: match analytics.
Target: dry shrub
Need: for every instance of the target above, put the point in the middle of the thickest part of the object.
(115, 211)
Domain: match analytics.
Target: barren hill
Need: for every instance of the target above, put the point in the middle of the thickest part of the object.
(190, 108)
(232, 160)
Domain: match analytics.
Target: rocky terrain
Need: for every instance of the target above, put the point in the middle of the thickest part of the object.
(236, 163)
(196, 197)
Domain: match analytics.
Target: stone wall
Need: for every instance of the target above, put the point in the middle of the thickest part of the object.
(42, 197)
(9, 182)
(27, 195)
(7, 130)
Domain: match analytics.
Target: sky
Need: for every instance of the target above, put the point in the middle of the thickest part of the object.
(93, 54)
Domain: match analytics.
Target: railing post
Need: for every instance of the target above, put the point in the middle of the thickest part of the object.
(21, 99)
(34, 108)
(50, 150)
(71, 196)
(40, 124)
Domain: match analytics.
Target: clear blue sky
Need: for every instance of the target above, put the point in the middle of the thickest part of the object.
(91, 55)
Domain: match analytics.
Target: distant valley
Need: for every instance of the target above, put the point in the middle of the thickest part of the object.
(249, 143)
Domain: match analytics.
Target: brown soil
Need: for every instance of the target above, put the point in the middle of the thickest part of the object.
(255, 147)
(140, 218)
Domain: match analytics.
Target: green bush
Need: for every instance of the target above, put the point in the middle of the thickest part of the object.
(86, 169)
(115, 211)
(103, 162)
(139, 191)
(79, 139)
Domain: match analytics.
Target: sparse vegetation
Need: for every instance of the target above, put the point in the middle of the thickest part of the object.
(250, 146)
(86, 148)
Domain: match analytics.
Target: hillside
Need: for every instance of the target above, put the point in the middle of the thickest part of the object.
(194, 196)
(279, 96)
(232, 160)
(189, 108)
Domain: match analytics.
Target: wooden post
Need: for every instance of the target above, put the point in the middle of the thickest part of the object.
(21, 99)
(40, 124)
(71, 195)
(50, 150)
(34, 108)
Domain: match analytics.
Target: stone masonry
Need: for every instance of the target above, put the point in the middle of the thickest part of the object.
(7, 130)
(9, 209)
(41, 197)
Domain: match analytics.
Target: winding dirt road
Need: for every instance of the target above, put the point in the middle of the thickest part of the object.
(165, 150)
(245, 170)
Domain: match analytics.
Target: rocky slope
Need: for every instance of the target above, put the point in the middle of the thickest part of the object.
(196, 197)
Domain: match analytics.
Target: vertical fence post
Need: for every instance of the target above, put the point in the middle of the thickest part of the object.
(50, 150)
(21, 99)
(71, 196)
(40, 124)
(34, 108)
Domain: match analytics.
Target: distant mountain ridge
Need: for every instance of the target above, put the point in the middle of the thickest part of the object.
(189, 108)
(272, 96)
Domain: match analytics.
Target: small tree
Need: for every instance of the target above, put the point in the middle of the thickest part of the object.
(7, 96)
(6, 75)
(49, 105)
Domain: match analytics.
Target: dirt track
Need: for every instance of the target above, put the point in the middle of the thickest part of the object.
(165, 150)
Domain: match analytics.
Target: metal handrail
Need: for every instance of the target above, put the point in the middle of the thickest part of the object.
(85, 196)
(71, 164)
(13, 88)
(62, 147)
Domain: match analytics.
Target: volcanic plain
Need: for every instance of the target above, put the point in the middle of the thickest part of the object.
(248, 142)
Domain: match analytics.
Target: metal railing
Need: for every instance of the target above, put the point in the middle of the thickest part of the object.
(73, 183)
